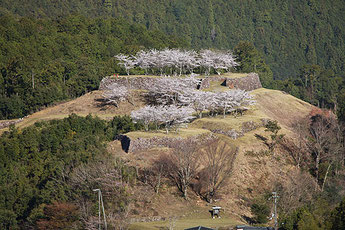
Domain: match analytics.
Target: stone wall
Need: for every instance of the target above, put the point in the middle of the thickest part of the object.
(130, 82)
(248, 83)
(246, 127)
(4, 124)
(142, 143)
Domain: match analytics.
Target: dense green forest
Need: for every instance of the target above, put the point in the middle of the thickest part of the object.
(52, 51)
(288, 33)
(44, 49)
(40, 165)
(47, 60)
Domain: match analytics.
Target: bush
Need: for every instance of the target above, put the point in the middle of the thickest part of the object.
(261, 211)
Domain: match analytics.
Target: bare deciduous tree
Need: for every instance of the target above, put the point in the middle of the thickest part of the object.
(300, 153)
(112, 177)
(152, 175)
(297, 191)
(324, 142)
(218, 161)
(182, 164)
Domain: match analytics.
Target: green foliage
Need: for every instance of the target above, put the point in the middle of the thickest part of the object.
(341, 105)
(275, 138)
(124, 124)
(252, 61)
(37, 163)
(47, 60)
(288, 34)
(318, 86)
(261, 211)
(315, 215)
(338, 217)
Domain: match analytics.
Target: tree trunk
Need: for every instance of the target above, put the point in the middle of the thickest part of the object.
(166, 128)
(33, 80)
(185, 192)
(317, 162)
(324, 180)
(158, 184)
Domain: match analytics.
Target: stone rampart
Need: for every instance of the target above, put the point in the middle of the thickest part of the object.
(248, 83)
(4, 124)
(142, 143)
(130, 82)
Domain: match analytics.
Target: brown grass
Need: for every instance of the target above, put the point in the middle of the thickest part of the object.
(84, 105)
(184, 133)
(280, 106)
(253, 174)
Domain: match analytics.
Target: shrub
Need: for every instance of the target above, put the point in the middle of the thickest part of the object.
(261, 211)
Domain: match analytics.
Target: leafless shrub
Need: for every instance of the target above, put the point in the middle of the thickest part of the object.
(218, 161)
(182, 164)
(297, 192)
(111, 177)
(153, 175)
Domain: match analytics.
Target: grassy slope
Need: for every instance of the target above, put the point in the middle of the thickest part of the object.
(88, 104)
(252, 173)
(186, 223)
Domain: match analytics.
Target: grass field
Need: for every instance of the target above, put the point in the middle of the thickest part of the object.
(200, 216)
(183, 133)
(185, 223)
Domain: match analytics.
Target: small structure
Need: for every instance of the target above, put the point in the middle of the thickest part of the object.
(199, 228)
(244, 227)
(215, 211)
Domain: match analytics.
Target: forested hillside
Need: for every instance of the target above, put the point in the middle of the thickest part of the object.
(47, 60)
(288, 33)
(200, 136)
(39, 166)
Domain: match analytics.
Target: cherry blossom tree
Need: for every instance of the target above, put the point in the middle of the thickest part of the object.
(146, 115)
(232, 100)
(199, 100)
(169, 90)
(206, 60)
(223, 61)
(127, 62)
(115, 93)
(218, 60)
(178, 61)
(143, 60)
(163, 115)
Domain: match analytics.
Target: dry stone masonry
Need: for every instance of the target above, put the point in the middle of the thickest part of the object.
(138, 144)
(248, 83)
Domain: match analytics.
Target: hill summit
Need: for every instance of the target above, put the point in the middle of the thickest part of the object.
(254, 171)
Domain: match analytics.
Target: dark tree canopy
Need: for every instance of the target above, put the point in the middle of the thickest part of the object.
(47, 60)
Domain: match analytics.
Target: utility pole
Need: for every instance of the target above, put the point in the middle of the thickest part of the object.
(100, 202)
(275, 198)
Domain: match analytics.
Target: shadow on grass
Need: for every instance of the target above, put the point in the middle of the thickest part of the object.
(249, 220)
